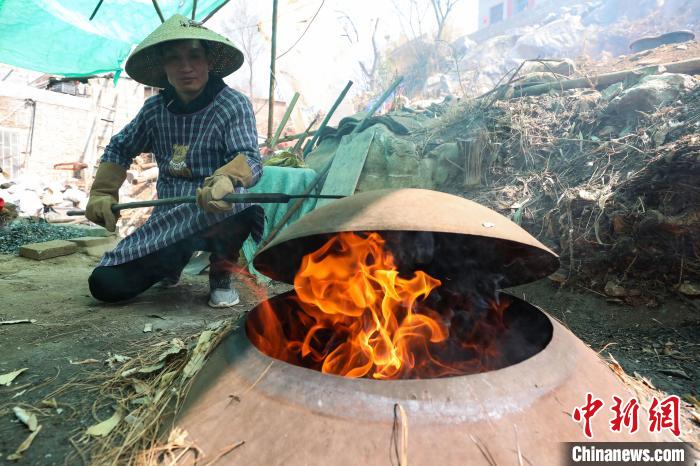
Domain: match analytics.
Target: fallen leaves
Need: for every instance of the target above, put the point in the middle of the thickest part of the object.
(199, 354)
(84, 361)
(7, 379)
(24, 446)
(18, 321)
(29, 419)
(105, 427)
(116, 359)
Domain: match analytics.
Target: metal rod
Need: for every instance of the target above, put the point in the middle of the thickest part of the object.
(320, 129)
(94, 12)
(160, 13)
(271, 95)
(214, 11)
(194, 9)
(285, 118)
(260, 198)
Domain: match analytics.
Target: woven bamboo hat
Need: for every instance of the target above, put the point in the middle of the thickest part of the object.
(145, 66)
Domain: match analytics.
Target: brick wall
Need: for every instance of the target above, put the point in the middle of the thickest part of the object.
(66, 128)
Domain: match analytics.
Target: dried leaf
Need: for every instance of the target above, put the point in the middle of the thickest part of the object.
(6, 379)
(145, 401)
(177, 346)
(689, 289)
(84, 361)
(29, 419)
(199, 354)
(116, 358)
(24, 446)
(19, 321)
(143, 370)
(177, 437)
(141, 387)
(105, 427)
(50, 403)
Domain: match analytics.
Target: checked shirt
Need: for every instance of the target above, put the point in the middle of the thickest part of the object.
(187, 148)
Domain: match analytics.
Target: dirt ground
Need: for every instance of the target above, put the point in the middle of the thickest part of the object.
(661, 344)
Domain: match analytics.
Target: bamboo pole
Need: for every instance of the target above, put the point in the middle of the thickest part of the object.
(214, 11)
(271, 101)
(322, 175)
(94, 12)
(160, 13)
(271, 144)
(365, 121)
(301, 137)
(320, 129)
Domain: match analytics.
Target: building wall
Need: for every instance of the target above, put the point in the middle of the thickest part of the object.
(509, 9)
(55, 128)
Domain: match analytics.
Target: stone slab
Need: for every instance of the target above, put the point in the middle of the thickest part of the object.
(48, 249)
(93, 230)
(89, 241)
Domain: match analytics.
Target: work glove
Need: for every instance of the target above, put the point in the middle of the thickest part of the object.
(225, 180)
(105, 193)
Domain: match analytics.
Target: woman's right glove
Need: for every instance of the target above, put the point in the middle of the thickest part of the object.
(105, 193)
(225, 180)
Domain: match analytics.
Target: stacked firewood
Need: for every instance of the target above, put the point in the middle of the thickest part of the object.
(140, 185)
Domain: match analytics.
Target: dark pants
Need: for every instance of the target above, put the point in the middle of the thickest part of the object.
(224, 240)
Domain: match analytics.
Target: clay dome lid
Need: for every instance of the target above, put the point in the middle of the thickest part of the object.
(461, 230)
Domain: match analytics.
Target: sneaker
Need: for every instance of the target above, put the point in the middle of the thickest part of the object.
(223, 297)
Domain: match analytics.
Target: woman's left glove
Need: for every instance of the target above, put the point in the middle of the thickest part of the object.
(236, 173)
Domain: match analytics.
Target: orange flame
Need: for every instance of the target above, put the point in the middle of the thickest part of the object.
(359, 317)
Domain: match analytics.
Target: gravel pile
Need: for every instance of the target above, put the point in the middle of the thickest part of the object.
(14, 236)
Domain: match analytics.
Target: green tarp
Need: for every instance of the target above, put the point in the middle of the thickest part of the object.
(57, 37)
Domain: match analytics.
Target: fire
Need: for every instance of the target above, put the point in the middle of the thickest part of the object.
(354, 315)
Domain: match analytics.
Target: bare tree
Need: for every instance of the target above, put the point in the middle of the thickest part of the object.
(349, 29)
(442, 9)
(410, 16)
(370, 73)
(244, 28)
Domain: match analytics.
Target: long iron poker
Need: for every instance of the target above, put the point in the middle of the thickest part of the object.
(260, 198)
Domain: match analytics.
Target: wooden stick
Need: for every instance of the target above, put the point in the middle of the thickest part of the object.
(320, 129)
(160, 13)
(273, 57)
(285, 118)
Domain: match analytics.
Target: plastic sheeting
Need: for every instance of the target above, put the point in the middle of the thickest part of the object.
(57, 37)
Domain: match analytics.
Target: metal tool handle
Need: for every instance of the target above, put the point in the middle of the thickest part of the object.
(259, 198)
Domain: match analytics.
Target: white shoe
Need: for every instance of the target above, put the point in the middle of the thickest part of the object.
(223, 297)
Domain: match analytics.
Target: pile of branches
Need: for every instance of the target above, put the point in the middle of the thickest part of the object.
(618, 197)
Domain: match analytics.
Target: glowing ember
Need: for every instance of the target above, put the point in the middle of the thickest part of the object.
(354, 315)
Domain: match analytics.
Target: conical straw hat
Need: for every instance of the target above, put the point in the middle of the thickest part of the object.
(145, 66)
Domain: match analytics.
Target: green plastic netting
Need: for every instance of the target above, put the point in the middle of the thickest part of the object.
(57, 37)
